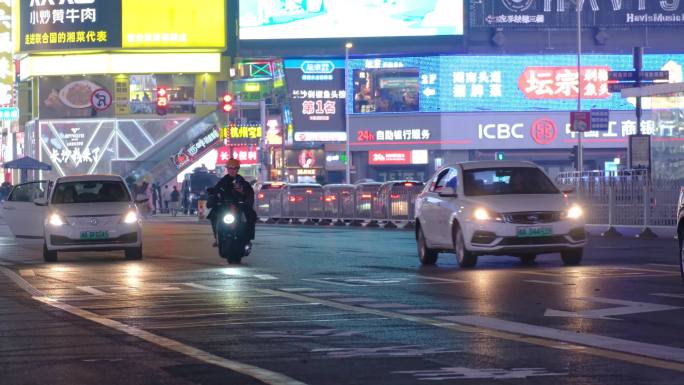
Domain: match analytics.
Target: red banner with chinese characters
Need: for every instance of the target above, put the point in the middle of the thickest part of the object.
(247, 155)
(561, 82)
(389, 157)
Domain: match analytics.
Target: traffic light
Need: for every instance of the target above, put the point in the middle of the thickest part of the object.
(226, 103)
(574, 156)
(499, 156)
(162, 101)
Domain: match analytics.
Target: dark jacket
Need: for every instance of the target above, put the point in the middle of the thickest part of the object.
(226, 185)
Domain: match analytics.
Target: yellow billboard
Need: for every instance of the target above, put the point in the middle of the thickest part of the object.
(173, 24)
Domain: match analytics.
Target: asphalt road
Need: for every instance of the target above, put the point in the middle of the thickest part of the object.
(338, 306)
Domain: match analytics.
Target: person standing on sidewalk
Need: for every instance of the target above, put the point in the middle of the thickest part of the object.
(166, 198)
(175, 198)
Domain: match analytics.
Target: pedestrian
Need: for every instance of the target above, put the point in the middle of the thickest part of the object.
(166, 197)
(175, 198)
(155, 197)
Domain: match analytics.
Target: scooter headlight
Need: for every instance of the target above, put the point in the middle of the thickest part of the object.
(229, 219)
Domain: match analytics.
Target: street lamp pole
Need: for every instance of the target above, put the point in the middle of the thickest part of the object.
(580, 152)
(347, 47)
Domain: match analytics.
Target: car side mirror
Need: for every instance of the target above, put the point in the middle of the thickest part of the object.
(40, 202)
(448, 192)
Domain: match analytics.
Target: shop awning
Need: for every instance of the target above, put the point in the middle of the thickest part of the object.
(27, 163)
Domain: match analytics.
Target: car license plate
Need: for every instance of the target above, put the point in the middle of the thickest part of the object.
(94, 235)
(539, 231)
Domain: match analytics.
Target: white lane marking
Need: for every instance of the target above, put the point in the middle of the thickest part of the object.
(224, 323)
(297, 289)
(462, 373)
(423, 311)
(625, 308)
(549, 282)
(27, 273)
(385, 305)
(663, 265)
(21, 282)
(325, 294)
(669, 295)
(587, 339)
(383, 351)
(201, 287)
(306, 334)
(91, 290)
(194, 314)
(265, 277)
(263, 375)
(354, 300)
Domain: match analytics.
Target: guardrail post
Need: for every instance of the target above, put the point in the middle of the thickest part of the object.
(646, 232)
(612, 232)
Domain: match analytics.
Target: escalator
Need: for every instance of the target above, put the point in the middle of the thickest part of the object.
(157, 162)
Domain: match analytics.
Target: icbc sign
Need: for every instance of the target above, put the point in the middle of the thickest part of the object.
(544, 131)
(561, 82)
(389, 157)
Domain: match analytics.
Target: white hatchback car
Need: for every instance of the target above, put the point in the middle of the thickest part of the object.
(78, 213)
(496, 208)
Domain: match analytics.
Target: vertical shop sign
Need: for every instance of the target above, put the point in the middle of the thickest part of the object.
(6, 62)
(50, 25)
(317, 93)
(121, 93)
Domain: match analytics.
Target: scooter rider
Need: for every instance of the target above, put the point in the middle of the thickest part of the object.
(233, 182)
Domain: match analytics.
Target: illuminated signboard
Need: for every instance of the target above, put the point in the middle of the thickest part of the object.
(196, 149)
(241, 132)
(247, 155)
(93, 24)
(49, 25)
(562, 13)
(314, 19)
(317, 94)
(385, 157)
(493, 83)
(6, 61)
(173, 24)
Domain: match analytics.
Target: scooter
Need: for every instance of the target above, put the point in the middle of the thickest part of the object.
(231, 226)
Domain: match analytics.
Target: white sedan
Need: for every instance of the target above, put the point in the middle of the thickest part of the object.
(496, 208)
(78, 213)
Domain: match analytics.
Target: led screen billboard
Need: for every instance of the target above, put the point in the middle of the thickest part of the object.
(317, 94)
(494, 83)
(317, 19)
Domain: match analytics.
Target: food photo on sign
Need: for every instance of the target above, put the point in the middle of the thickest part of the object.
(71, 97)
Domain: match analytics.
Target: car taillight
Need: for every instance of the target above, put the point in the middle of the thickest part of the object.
(408, 184)
(309, 191)
(395, 196)
(366, 196)
(261, 196)
(330, 198)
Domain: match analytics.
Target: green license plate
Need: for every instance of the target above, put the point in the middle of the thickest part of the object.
(94, 235)
(529, 232)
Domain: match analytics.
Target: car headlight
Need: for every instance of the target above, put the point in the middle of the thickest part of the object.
(482, 214)
(229, 219)
(56, 220)
(575, 212)
(130, 217)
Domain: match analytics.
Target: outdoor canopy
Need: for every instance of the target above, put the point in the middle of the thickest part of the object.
(27, 163)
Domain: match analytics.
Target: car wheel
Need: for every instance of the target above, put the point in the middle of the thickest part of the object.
(572, 257)
(464, 257)
(427, 256)
(49, 256)
(134, 253)
(527, 259)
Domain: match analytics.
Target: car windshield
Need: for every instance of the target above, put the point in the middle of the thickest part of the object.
(90, 192)
(507, 181)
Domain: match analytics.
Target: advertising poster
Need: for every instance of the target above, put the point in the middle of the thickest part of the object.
(305, 158)
(317, 94)
(563, 13)
(72, 97)
(77, 147)
(498, 83)
(59, 25)
(316, 19)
